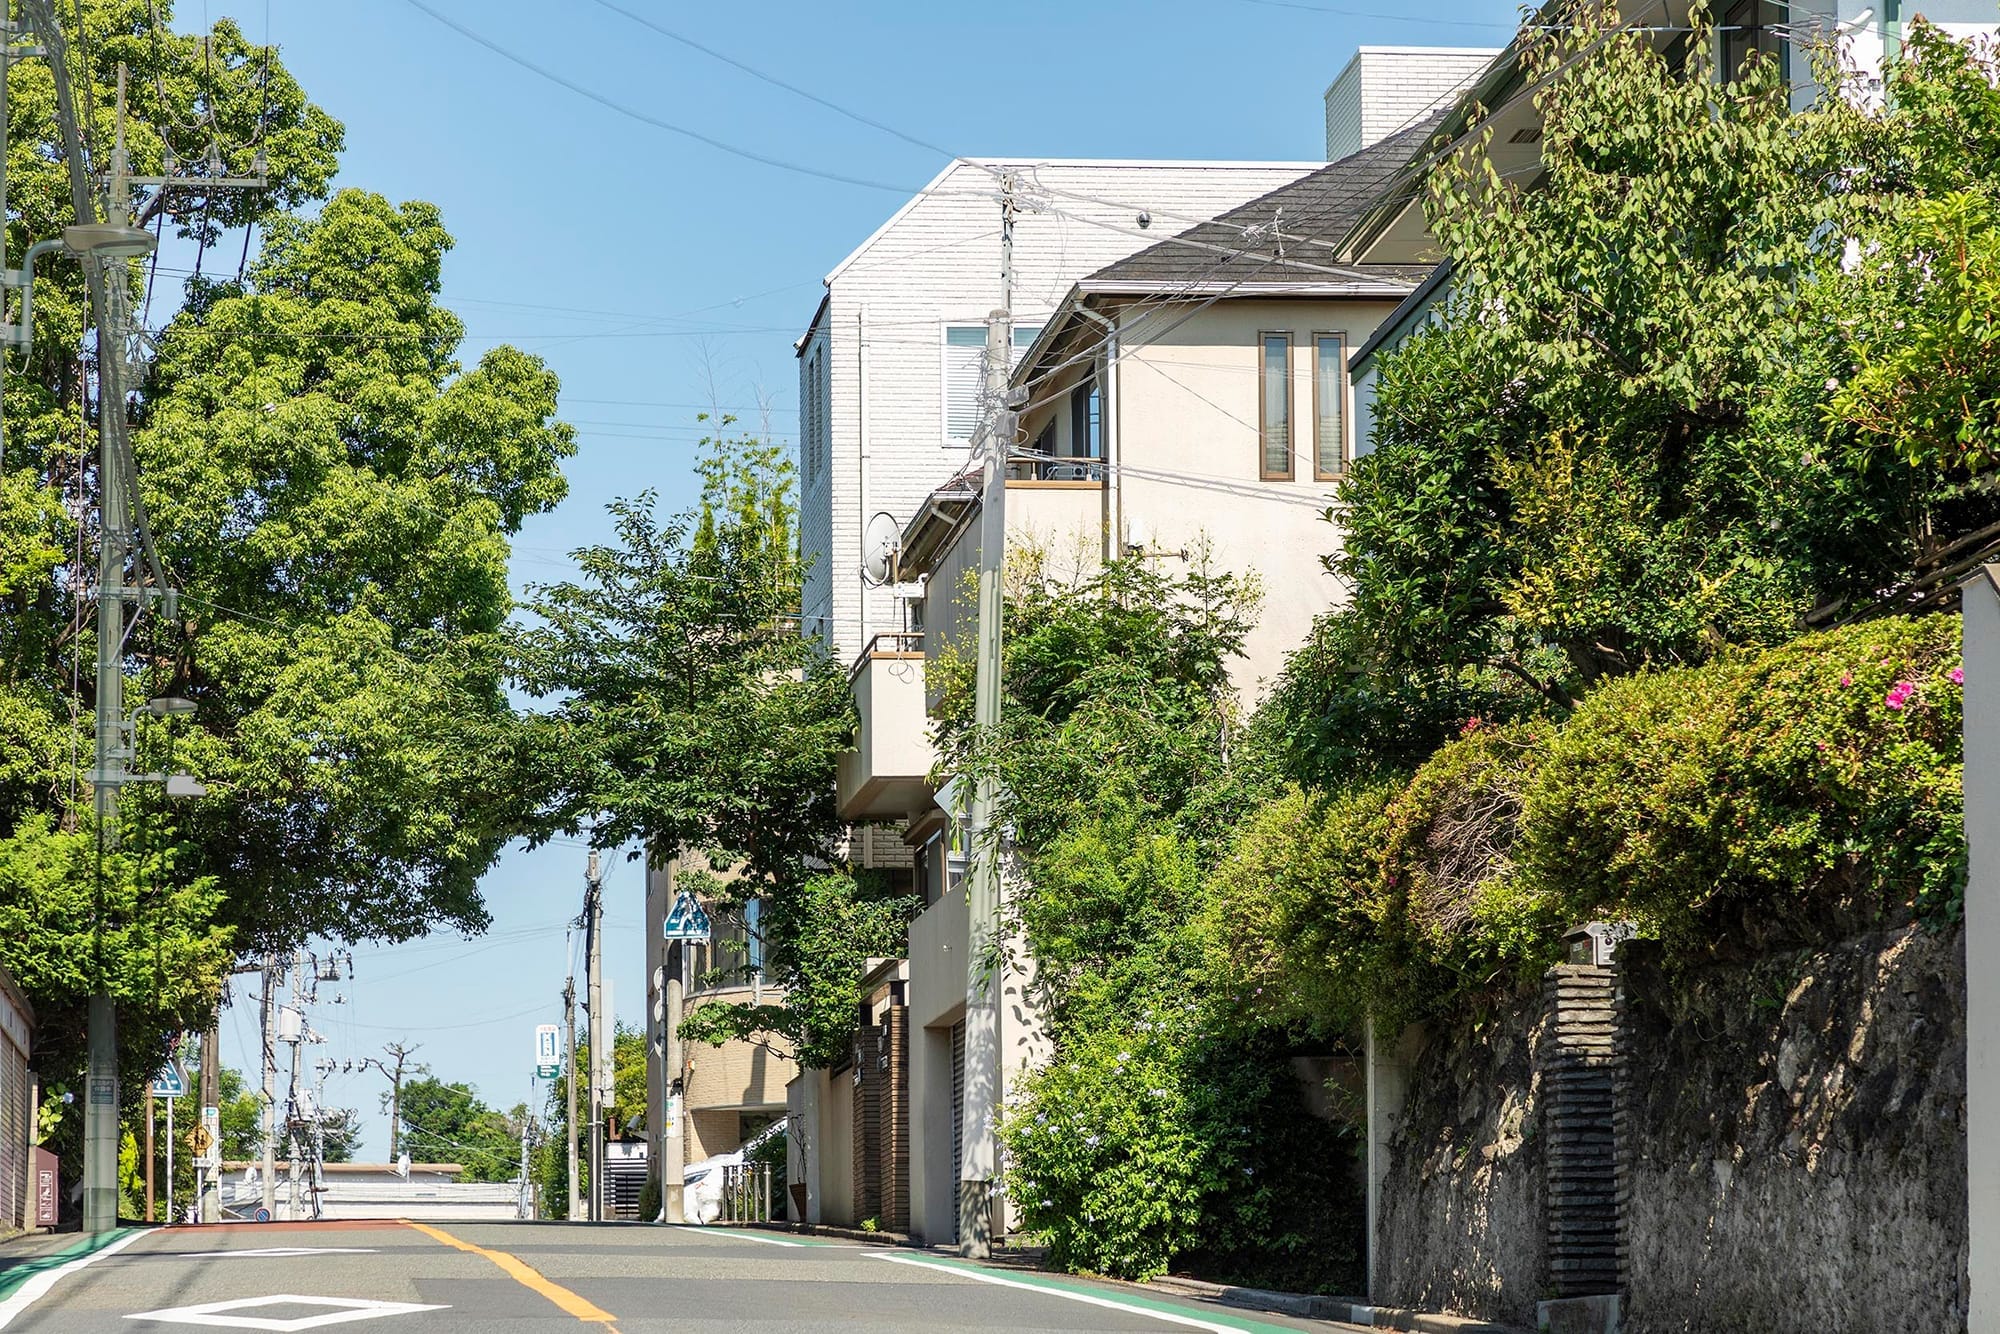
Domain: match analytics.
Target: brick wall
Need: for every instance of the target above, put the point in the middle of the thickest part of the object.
(882, 1121)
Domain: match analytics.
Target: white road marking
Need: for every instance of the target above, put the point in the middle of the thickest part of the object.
(1068, 1294)
(346, 1310)
(273, 1252)
(736, 1233)
(41, 1283)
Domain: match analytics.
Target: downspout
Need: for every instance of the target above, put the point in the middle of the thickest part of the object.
(861, 455)
(1107, 385)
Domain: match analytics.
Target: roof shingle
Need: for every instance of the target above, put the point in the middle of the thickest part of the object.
(1236, 248)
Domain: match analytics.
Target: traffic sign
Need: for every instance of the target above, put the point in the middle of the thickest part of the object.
(208, 1139)
(545, 1072)
(686, 921)
(170, 1083)
(545, 1044)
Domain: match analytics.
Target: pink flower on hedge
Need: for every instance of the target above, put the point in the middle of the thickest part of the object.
(1846, 680)
(1958, 676)
(1899, 694)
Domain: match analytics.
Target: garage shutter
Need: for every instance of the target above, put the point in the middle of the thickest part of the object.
(957, 1117)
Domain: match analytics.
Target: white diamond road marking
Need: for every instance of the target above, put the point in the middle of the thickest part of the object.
(274, 1252)
(215, 1314)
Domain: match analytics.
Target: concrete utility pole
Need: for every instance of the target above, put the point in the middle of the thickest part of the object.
(673, 1136)
(979, 1159)
(268, 1010)
(211, 1096)
(569, 1086)
(400, 1054)
(600, 1031)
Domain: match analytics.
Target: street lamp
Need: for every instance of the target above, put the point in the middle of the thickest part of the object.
(106, 240)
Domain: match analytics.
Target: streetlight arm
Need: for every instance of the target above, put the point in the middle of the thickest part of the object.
(20, 336)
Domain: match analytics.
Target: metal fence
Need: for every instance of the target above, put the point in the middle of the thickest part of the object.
(746, 1193)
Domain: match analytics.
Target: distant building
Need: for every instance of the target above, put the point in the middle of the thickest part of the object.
(1386, 89)
(378, 1190)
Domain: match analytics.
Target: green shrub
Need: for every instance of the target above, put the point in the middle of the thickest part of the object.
(1295, 923)
(1811, 789)
(1159, 1140)
(1795, 795)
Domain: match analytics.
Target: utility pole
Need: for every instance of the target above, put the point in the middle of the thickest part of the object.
(269, 1011)
(600, 1031)
(979, 1156)
(211, 1097)
(673, 1139)
(569, 1124)
(401, 1055)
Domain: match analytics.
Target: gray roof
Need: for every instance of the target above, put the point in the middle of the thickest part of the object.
(1320, 207)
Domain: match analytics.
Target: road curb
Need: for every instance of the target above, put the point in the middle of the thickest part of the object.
(1307, 1306)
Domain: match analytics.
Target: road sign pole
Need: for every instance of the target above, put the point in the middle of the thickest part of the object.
(170, 1158)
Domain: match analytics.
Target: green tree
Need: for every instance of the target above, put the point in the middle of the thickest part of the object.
(1611, 451)
(693, 718)
(332, 491)
(449, 1123)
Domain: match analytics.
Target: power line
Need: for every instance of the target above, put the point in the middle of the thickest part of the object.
(644, 118)
(777, 82)
(1427, 20)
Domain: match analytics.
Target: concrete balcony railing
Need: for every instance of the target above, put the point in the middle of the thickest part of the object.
(885, 776)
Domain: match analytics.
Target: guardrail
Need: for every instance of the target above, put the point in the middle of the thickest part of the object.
(746, 1193)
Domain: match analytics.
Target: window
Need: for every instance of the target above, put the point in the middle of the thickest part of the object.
(1086, 422)
(1329, 405)
(812, 413)
(1274, 412)
(965, 375)
(1753, 25)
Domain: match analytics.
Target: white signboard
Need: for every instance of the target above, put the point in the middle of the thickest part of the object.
(546, 1050)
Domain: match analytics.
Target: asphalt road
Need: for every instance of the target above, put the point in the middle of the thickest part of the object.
(556, 1278)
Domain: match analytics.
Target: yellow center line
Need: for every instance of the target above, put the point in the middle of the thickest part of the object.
(528, 1277)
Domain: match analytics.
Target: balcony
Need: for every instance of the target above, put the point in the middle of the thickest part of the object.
(886, 775)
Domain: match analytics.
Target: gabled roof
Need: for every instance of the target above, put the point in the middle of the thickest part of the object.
(1236, 249)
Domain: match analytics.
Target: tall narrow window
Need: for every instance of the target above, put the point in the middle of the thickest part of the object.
(1329, 405)
(965, 375)
(1274, 415)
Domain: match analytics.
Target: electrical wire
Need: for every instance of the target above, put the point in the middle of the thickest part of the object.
(582, 90)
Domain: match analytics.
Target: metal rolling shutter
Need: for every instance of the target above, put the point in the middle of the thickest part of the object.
(957, 1117)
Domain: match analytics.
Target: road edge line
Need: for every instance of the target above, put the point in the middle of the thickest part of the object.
(736, 1234)
(37, 1286)
(570, 1303)
(1138, 1306)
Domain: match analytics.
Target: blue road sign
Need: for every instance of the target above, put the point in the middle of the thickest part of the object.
(686, 921)
(170, 1083)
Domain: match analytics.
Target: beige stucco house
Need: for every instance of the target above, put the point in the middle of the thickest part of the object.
(1187, 402)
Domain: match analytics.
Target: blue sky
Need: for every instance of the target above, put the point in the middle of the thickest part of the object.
(658, 275)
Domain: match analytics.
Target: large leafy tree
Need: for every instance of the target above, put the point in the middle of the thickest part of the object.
(692, 717)
(340, 490)
(332, 491)
(1613, 449)
(448, 1122)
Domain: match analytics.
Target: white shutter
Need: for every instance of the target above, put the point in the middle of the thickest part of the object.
(964, 375)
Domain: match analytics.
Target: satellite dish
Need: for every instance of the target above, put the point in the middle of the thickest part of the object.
(880, 542)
